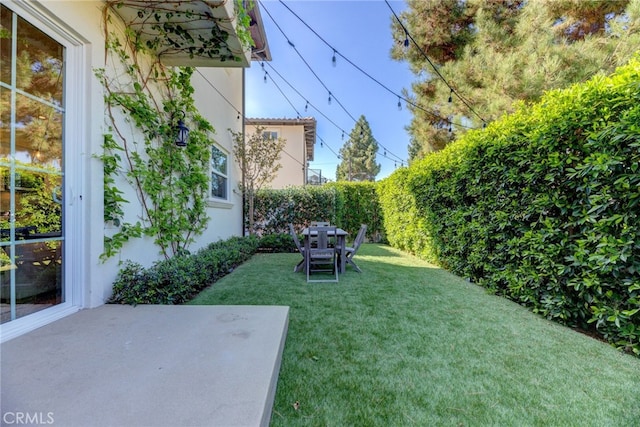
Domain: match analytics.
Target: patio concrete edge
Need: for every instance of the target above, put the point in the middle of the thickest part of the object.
(148, 365)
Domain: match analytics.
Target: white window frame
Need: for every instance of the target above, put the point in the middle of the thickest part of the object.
(270, 134)
(225, 175)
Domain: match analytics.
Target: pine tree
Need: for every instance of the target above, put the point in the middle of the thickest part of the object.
(495, 53)
(358, 155)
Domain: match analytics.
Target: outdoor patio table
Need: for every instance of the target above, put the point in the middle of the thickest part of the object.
(342, 243)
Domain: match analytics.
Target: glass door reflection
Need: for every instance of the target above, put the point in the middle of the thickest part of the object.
(31, 168)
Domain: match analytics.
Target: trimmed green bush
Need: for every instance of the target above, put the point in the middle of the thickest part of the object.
(541, 207)
(360, 205)
(275, 209)
(178, 279)
(346, 204)
(405, 228)
(277, 242)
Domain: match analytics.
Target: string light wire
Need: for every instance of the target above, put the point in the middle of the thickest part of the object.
(353, 64)
(331, 94)
(293, 46)
(239, 113)
(322, 142)
(435, 69)
(310, 104)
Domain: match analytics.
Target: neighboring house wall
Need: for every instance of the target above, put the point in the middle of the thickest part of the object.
(296, 153)
(79, 27)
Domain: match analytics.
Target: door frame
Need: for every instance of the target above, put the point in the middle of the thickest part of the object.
(75, 137)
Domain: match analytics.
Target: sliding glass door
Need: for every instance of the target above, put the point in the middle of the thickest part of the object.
(31, 168)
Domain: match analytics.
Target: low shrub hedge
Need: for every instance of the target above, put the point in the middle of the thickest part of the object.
(180, 278)
(277, 242)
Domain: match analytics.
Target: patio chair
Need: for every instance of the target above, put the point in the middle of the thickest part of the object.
(324, 258)
(314, 240)
(352, 250)
(292, 231)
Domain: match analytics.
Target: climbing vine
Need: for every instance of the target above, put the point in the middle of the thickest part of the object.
(170, 28)
(144, 101)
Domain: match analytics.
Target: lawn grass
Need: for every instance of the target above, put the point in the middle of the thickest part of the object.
(405, 343)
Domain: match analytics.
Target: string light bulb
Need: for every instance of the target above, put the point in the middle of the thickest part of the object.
(450, 96)
(321, 143)
(343, 135)
(333, 59)
(306, 106)
(399, 104)
(406, 39)
(329, 98)
(265, 76)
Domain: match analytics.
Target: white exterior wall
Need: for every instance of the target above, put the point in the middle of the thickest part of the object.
(80, 23)
(225, 217)
(293, 157)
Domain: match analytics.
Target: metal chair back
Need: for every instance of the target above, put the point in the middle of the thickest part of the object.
(323, 258)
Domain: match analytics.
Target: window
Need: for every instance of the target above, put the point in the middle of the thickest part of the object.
(219, 177)
(269, 135)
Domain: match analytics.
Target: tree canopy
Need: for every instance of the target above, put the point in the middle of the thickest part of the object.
(358, 155)
(492, 54)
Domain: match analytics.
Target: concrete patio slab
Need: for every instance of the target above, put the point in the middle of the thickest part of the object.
(148, 365)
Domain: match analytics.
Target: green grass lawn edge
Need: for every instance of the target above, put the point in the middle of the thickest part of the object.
(407, 343)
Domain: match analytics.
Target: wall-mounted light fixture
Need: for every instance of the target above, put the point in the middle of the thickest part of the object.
(182, 132)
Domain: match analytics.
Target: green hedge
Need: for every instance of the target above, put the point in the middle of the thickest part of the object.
(277, 242)
(346, 204)
(541, 207)
(404, 226)
(180, 278)
(360, 205)
(275, 209)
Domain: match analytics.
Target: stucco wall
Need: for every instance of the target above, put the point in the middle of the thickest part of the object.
(293, 157)
(84, 173)
(226, 217)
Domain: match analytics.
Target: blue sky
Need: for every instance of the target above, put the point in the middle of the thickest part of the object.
(360, 31)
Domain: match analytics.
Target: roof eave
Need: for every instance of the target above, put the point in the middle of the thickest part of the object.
(309, 124)
(199, 19)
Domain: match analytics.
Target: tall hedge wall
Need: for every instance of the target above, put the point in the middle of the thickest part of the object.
(346, 204)
(404, 226)
(275, 209)
(541, 207)
(359, 206)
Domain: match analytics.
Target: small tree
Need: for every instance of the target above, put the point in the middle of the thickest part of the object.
(359, 155)
(259, 159)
